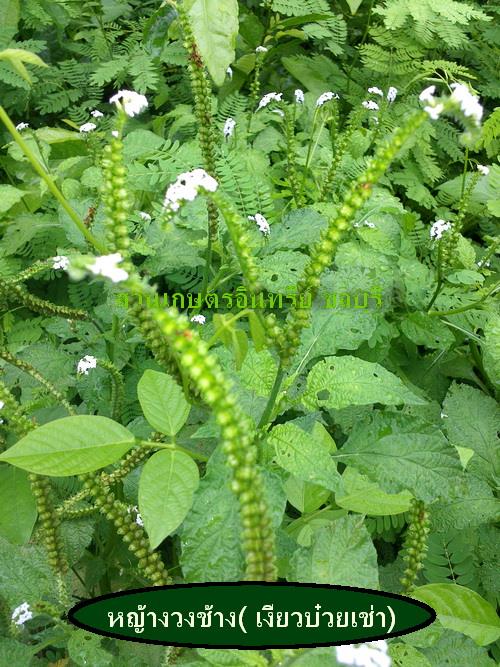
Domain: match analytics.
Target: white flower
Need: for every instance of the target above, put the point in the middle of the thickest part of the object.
(435, 111)
(326, 97)
(186, 188)
(145, 216)
(22, 126)
(261, 49)
(468, 103)
(199, 319)
(229, 72)
(391, 94)
(299, 96)
(438, 228)
(375, 91)
(483, 170)
(269, 98)
(261, 223)
(96, 113)
(22, 614)
(371, 225)
(371, 105)
(483, 263)
(138, 519)
(443, 415)
(427, 95)
(88, 127)
(229, 126)
(85, 364)
(133, 103)
(1, 404)
(107, 266)
(114, 133)
(60, 262)
(372, 654)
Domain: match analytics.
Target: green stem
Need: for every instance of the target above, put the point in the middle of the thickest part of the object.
(463, 309)
(439, 278)
(280, 373)
(175, 447)
(49, 181)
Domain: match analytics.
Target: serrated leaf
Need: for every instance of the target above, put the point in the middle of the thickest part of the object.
(358, 494)
(162, 402)
(9, 195)
(304, 456)
(463, 610)
(17, 501)
(341, 553)
(70, 446)
(343, 381)
(166, 487)
(215, 26)
(429, 331)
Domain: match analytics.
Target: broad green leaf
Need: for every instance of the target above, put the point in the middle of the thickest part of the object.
(426, 465)
(452, 648)
(358, 494)
(70, 446)
(300, 228)
(303, 455)
(9, 195)
(341, 553)
(9, 11)
(232, 658)
(18, 514)
(13, 653)
(215, 26)
(162, 402)
(471, 421)
(463, 610)
(17, 57)
(84, 648)
(407, 656)
(429, 331)
(304, 496)
(342, 381)
(168, 481)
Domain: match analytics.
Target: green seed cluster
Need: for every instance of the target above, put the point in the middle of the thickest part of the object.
(293, 177)
(50, 522)
(134, 536)
(30, 370)
(117, 387)
(79, 513)
(116, 198)
(449, 241)
(237, 443)
(12, 414)
(18, 294)
(321, 254)
(339, 152)
(37, 267)
(415, 544)
(127, 464)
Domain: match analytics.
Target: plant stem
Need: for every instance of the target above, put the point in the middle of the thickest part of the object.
(49, 181)
(280, 373)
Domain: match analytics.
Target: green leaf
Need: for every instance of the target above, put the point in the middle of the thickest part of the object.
(341, 553)
(70, 446)
(304, 455)
(343, 381)
(354, 5)
(429, 331)
(18, 514)
(168, 482)
(17, 57)
(232, 658)
(304, 496)
(460, 609)
(15, 653)
(215, 26)
(9, 196)
(407, 656)
(358, 494)
(162, 402)
(423, 463)
(84, 648)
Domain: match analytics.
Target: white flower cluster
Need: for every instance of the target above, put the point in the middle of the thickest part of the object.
(199, 319)
(468, 103)
(96, 113)
(270, 97)
(371, 654)
(138, 519)
(107, 266)
(229, 72)
(261, 49)
(85, 364)
(60, 262)
(131, 102)
(186, 188)
(145, 216)
(326, 97)
(229, 126)
(261, 223)
(391, 93)
(1, 406)
(433, 108)
(87, 127)
(439, 228)
(483, 170)
(22, 126)
(375, 91)
(22, 614)
(370, 105)
(299, 96)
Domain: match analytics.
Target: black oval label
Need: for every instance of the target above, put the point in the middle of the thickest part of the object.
(251, 615)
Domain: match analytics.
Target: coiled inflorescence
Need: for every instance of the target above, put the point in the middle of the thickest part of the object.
(237, 442)
(115, 196)
(415, 544)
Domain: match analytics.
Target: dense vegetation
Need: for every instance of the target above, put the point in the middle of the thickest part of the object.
(342, 151)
